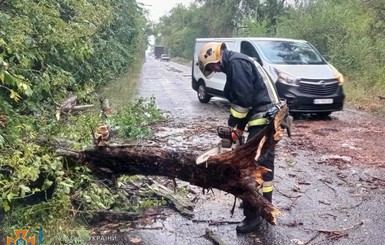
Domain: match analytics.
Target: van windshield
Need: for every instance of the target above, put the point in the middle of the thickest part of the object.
(289, 52)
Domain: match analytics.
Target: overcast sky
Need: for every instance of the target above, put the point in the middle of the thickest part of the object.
(159, 8)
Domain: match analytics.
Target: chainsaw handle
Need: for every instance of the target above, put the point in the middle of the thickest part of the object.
(236, 136)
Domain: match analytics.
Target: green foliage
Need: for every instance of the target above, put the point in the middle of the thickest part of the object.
(134, 119)
(36, 170)
(47, 50)
(178, 31)
(216, 18)
(151, 202)
(344, 32)
(58, 46)
(253, 28)
(90, 195)
(52, 216)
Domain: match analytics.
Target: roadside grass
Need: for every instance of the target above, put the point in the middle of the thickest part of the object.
(366, 98)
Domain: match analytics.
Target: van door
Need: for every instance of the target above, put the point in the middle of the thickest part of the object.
(248, 49)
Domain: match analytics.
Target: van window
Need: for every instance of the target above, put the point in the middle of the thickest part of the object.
(289, 52)
(248, 49)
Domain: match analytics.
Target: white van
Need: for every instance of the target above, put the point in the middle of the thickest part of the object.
(302, 76)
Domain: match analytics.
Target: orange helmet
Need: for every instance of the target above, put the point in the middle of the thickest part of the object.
(210, 53)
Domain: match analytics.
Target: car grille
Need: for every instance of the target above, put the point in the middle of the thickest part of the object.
(313, 108)
(318, 87)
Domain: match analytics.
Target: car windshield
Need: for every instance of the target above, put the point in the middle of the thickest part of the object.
(289, 52)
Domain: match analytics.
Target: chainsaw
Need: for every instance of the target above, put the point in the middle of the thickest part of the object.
(230, 139)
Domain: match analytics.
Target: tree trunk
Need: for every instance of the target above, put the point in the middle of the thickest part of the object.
(235, 171)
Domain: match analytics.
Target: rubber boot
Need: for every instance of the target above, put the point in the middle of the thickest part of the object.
(252, 220)
(249, 224)
(268, 196)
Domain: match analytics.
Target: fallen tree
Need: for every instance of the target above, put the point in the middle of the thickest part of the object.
(235, 171)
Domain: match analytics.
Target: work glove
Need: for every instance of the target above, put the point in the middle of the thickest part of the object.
(271, 112)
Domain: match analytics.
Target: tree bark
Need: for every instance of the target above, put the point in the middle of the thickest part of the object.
(235, 171)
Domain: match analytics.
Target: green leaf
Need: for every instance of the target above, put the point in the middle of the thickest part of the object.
(10, 196)
(87, 198)
(14, 95)
(66, 189)
(24, 190)
(6, 206)
(2, 141)
(28, 91)
(7, 78)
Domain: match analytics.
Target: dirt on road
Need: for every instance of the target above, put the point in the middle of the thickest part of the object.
(329, 180)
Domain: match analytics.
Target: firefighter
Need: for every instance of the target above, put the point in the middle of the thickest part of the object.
(251, 93)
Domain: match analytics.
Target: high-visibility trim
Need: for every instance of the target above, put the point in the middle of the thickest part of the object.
(267, 186)
(258, 121)
(237, 114)
(270, 87)
(238, 111)
(267, 189)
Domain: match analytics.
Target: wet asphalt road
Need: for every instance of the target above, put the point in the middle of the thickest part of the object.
(320, 203)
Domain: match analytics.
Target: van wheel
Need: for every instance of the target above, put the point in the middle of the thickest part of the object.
(202, 94)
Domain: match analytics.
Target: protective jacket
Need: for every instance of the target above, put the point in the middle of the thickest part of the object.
(248, 88)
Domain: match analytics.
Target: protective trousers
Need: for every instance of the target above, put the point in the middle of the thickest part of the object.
(266, 160)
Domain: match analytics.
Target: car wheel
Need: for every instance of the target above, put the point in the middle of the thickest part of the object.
(202, 94)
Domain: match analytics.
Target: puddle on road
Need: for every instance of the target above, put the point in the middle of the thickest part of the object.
(121, 91)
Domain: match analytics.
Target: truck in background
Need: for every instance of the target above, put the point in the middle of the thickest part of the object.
(158, 51)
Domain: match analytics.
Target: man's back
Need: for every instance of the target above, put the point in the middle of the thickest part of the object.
(245, 85)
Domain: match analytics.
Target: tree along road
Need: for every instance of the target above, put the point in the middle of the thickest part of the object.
(329, 182)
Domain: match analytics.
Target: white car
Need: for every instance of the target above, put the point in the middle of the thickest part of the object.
(164, 57)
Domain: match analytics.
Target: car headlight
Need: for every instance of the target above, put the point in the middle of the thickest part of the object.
(340, 78)
(337, 75)
(287, 79)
